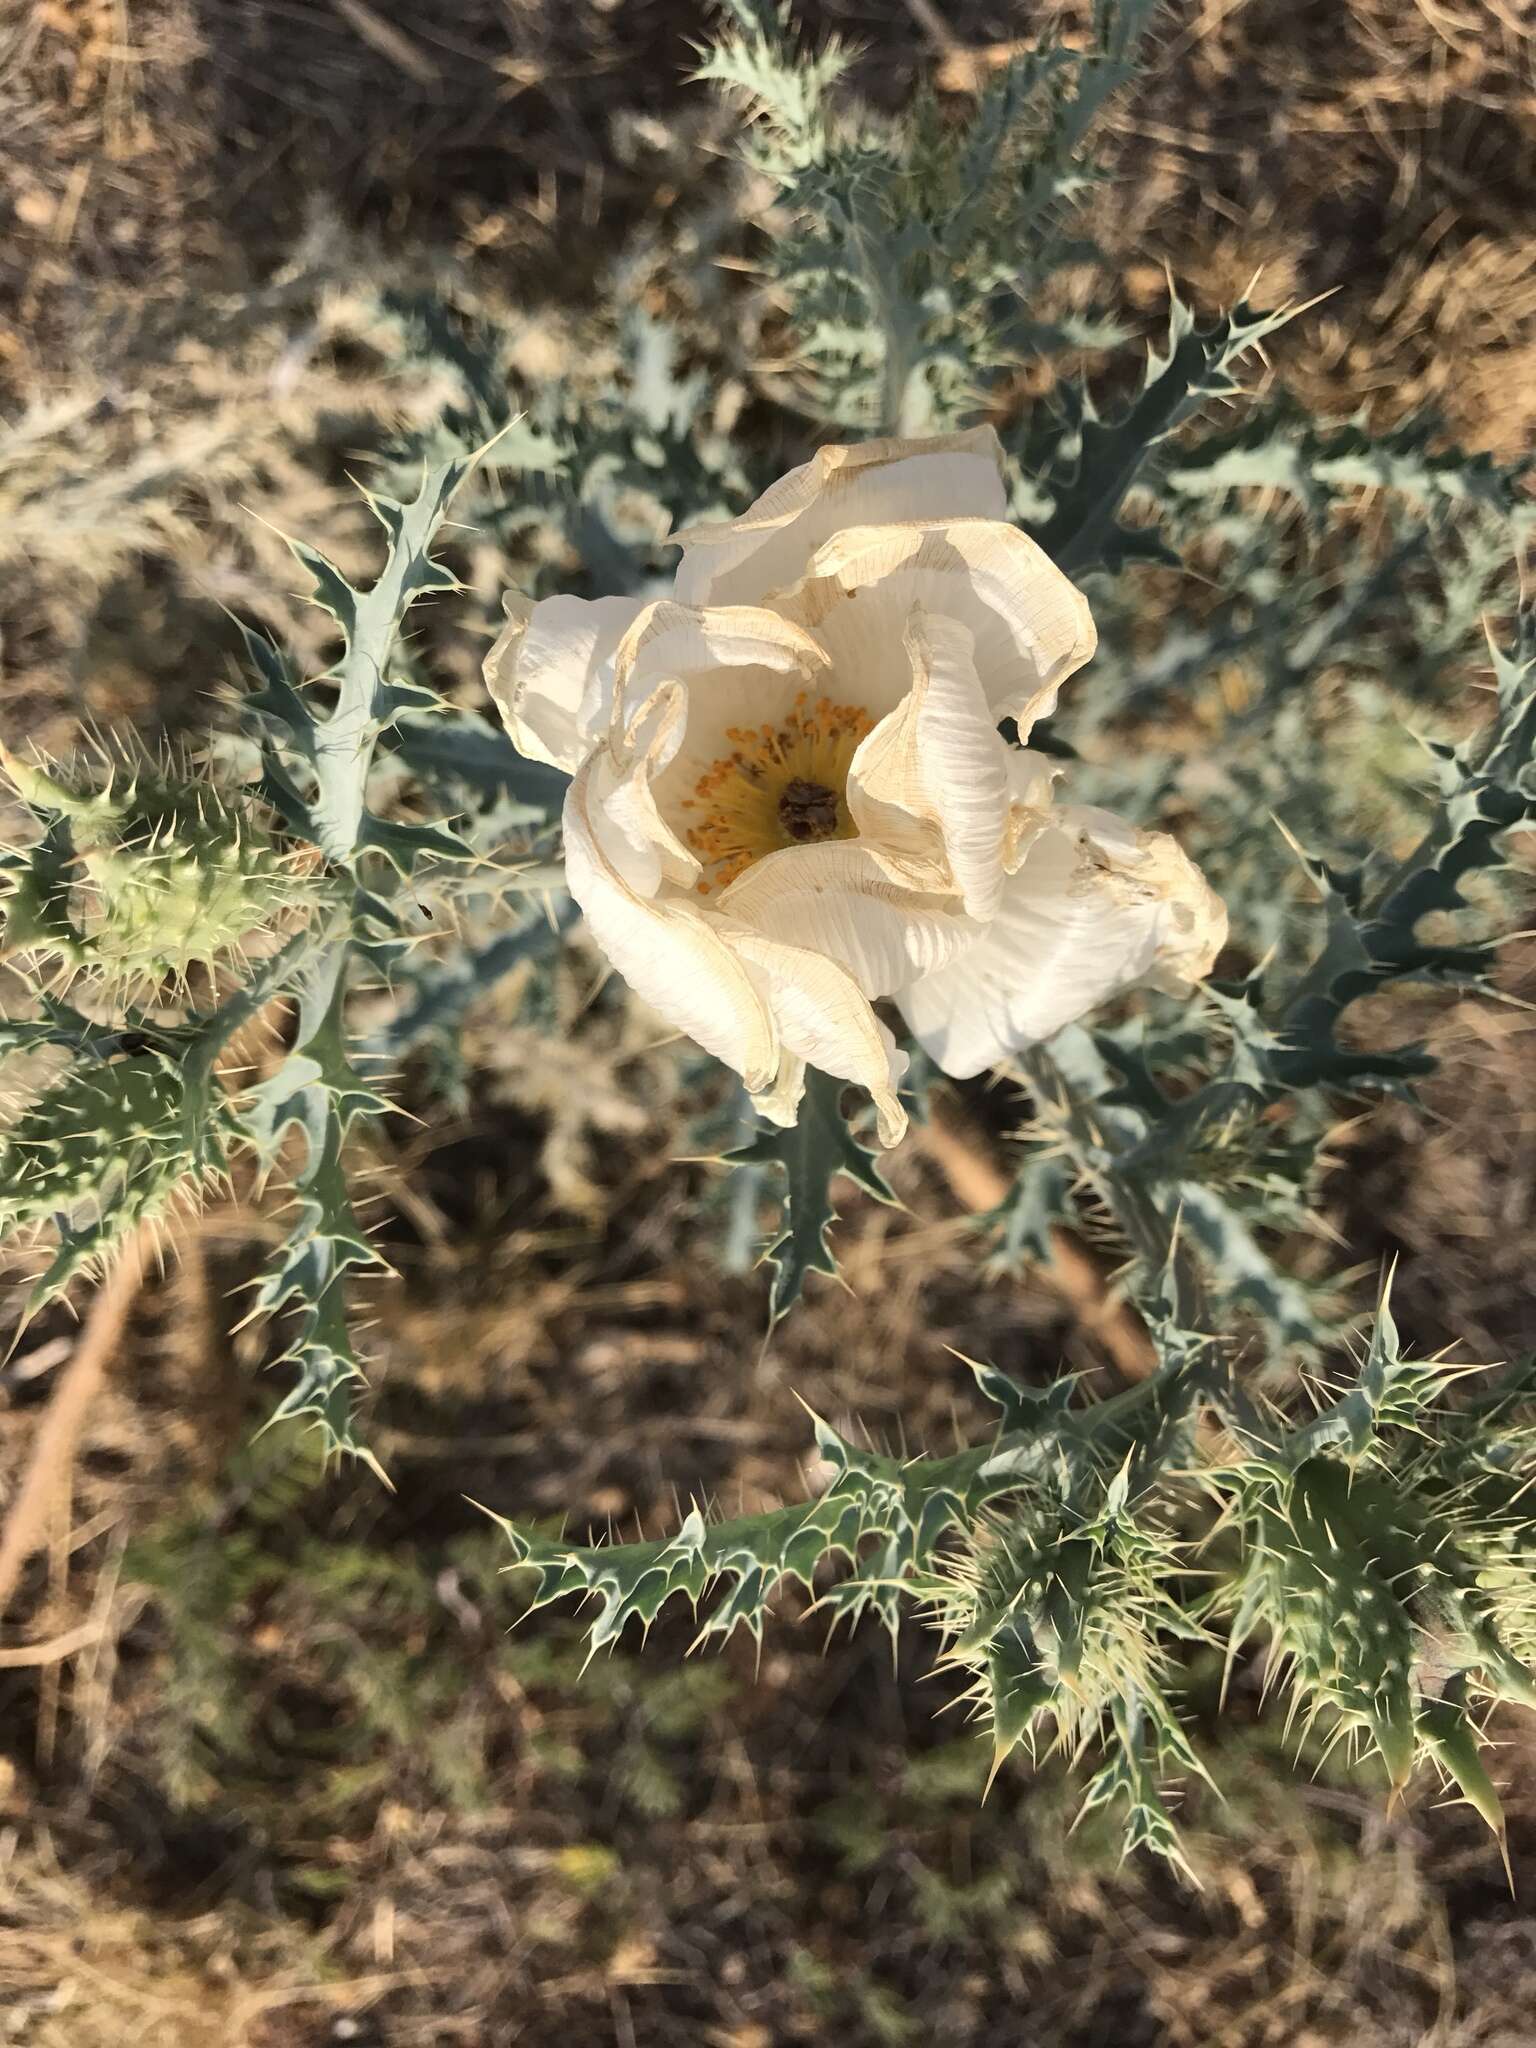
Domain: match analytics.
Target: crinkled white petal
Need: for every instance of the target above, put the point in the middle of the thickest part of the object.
(1031, 780)
(1150, 871)
(929, 787)
(725, 654)
(550, 672)
(1095, 908)
(623, 793)
(780, 1103)
(824, 1018)
(837, 899)
(739, 561)
(1030, 624)
(673, 954)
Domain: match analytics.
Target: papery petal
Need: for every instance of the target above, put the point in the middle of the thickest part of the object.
(780, 1104)
(1031, 779)
(623, 794)
(1096, 907)
(1147, 871)
(551, 672)
(724, 653)
(929, 787)
(837, 899)
(739, 561)
(1031, 625)
(673, 954)
(824, 1019)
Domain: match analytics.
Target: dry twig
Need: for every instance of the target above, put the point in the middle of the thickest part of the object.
(980, 1184)
(53, 1446)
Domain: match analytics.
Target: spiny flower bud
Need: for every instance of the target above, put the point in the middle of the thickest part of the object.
(1057, 1614)
(146, 878)
(107, 1147)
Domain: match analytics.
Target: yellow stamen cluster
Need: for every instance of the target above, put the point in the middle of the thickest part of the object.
(781, 785)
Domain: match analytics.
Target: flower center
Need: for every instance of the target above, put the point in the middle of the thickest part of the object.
(780, 785)
(808, 810)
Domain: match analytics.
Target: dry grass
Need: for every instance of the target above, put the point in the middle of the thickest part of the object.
(1454, 1184)
(1381, 150)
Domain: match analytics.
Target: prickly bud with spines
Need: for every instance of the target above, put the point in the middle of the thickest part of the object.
(108, 1146)
(1062, 1614)
(140, 881)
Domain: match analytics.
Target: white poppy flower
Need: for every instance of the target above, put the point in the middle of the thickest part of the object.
(790, 797)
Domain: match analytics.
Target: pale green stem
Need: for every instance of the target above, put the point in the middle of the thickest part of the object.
(1151, 1232)
(271, 978)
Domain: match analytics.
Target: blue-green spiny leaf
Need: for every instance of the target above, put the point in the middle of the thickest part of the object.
(813, 1152)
